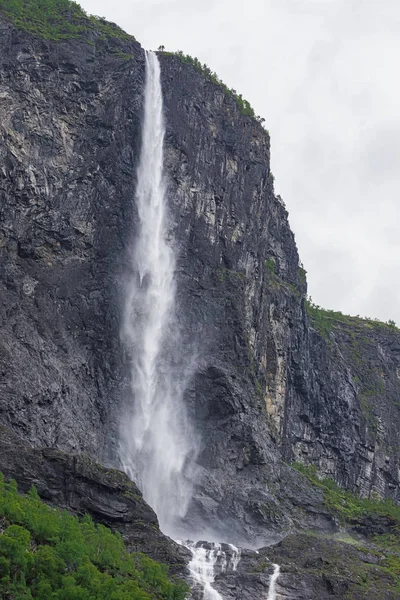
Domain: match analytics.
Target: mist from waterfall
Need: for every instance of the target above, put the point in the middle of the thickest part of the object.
(157, 443)
(158, 446)
(209, 559)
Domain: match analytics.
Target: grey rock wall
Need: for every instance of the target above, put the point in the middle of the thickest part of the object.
(268, 387)
(69, 136)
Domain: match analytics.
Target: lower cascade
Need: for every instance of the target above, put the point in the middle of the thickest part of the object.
(158, 445)
(209, 559)
(272, 584)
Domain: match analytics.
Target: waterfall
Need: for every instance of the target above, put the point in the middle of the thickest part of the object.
(156, 440)
(208, 559)
(235, 556)
(272, 583)
(158, 447)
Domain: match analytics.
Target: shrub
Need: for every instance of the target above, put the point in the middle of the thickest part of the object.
(48, 554)
(57, 19)
(243, 105)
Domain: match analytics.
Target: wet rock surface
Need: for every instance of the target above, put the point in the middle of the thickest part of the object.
(310, 568)
(322, 568)
(250, 580)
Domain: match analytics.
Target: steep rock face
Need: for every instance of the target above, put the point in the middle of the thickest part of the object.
(69, 136)
(343, 408)
(230, 229)
(266, 384)
(267, 377)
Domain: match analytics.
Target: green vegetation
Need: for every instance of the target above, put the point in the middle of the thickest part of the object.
(302, 275)
(48, 554)
(123, 55)
(270, 266)
(273, 278)
(345, 505)
(275, 281)
(325, 320)
(57, 19)
(244, 106)
(351, 510)
(225, 275)
(357, 339)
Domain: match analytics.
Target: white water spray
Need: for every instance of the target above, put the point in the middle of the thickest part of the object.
(272, 583)
(208, 559)
(157, 443)
(156, 440)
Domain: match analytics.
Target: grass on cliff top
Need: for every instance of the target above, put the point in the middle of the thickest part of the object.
(243, 105)
(57, 19)
(325, 320)
(48, 554)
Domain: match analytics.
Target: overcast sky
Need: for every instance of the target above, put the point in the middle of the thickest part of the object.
(325, 74)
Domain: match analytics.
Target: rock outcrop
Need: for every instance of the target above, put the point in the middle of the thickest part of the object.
(82, 486)
(270, 382)
(324, 569)
(344, 406)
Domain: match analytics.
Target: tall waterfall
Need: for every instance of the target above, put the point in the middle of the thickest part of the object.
(158, 446)
(156, 438)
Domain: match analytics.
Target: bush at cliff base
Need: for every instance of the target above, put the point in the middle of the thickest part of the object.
(48, 554)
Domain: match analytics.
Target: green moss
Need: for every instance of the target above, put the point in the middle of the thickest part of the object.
(260, 567)
(276, 281)
(123, 55)
(292, 289)
(229, 275)
(57, 19)
(270, 269)
(269, 264)
(48, 554)
(302, 273)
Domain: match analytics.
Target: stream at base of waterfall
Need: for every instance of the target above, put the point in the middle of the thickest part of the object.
(158, 444)
(209, 559)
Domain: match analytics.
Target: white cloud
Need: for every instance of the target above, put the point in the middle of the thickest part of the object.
(324, 74)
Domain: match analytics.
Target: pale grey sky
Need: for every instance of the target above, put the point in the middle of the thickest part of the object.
(325, 76)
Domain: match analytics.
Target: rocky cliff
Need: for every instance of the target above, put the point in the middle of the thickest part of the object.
(343, 407)
(276, 376)
(70, 132)
(276, 380)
